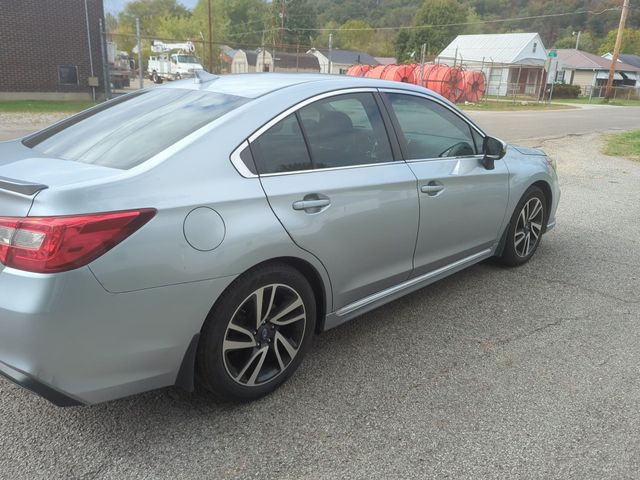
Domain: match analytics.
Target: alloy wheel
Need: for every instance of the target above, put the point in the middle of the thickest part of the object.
(528, 227)
(264, 335)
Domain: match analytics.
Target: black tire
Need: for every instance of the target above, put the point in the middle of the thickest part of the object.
(219, 368)
(156, 78)
(516, 253)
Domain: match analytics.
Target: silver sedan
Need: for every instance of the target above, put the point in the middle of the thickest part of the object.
(204, 231)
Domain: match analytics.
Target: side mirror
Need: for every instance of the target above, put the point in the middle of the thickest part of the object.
(493, 149)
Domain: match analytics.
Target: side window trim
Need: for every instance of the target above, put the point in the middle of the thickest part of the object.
(396, 124)
(305, 137)
(247, 171)
(392, 135)
(302, 104)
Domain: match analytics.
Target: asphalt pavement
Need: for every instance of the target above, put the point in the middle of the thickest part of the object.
(531, 372)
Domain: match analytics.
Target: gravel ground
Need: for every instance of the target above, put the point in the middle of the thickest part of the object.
(492, 373)
(15, 124)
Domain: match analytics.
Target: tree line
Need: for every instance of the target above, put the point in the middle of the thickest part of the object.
(369, 25)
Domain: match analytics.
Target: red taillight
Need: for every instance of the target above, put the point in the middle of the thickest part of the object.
(58, 244)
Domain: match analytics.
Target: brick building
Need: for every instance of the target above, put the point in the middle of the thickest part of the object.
(44, 49)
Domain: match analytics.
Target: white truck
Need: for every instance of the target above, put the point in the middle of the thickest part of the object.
(173, 62)
(119, 66)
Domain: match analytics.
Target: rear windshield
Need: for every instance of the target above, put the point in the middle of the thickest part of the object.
(128, 130)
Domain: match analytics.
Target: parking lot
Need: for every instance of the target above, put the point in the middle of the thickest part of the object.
(531, 372)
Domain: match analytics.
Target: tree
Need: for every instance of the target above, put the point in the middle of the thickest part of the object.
(587, 42)
(246, 20)
(148, 11)
(355, 35)
(630, 42)
(440, 19)
(403, 47)
(299, 22)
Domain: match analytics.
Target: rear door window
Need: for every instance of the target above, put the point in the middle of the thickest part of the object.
(345, 130)
(281, 148)
(125, 132)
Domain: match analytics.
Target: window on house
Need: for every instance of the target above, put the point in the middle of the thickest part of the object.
(67, 75)
(535, 46)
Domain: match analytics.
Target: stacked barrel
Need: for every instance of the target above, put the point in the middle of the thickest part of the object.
(453, 83)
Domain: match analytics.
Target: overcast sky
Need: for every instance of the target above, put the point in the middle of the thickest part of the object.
(115, 6)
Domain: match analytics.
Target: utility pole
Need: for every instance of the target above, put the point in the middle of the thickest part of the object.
(330, 50)
(616, 49)
(139, 44)
(105, 62)
(423, 51)
(210, 40)
(86, 14)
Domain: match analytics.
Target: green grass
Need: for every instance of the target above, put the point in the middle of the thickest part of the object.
(508, 105)
(600, 101)
(43, 106)
(625, 144)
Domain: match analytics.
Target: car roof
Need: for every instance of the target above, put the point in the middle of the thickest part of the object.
(253, 85)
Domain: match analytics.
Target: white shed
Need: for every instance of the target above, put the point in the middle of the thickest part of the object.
(512, 62)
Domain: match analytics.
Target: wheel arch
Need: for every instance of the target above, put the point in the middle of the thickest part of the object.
(548, 197)
(186, 374)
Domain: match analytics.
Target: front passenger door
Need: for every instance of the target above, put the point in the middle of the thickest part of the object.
(462, 204)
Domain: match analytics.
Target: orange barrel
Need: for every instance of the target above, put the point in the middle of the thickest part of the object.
(475, 86)
(377, 71)
(358, 70)
(445, 80)
(427, 72)
(401, 73)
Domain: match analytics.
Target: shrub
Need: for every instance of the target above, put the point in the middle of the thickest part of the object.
(561, 90)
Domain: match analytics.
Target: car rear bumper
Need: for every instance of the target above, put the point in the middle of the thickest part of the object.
(70, 341)
(45, 391)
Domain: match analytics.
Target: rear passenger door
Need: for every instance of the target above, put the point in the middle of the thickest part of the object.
(332, 179)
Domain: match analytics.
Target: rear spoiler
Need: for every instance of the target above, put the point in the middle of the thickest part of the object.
(20, 186)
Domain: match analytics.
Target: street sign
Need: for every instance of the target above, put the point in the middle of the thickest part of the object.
(553, 54)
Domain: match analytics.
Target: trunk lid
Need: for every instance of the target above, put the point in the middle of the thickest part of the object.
(22, 180)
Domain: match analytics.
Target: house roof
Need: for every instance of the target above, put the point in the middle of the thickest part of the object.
(630, 59)
(304, 61)
(349, 57)
(508, 48)
(579, 60)
(386, 60)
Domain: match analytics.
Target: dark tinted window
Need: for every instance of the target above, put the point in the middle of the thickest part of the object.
(345, 130)
(127, 131)
(429, 129)
(68, 75)
(281, 148)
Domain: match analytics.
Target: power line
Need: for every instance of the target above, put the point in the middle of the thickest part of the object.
(480, 22)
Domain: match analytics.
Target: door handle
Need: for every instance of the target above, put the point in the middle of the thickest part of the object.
(432, 188)
(311, 204)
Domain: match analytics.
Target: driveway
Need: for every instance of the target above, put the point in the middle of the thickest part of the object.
(492, 373)
(523, 125)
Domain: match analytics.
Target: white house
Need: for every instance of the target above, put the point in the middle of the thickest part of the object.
(341, 60)
(512, 62)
